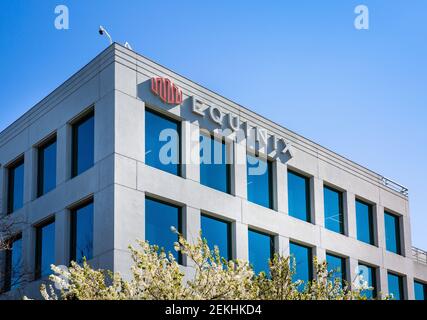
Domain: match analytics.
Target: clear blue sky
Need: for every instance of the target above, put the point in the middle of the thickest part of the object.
(362, 94)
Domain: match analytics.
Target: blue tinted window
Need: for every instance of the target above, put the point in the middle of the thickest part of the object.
(46, 168)
(299, 196)
(420, 290)
(83, 145)
(82, 233)
(334, 212)
(162, 142)
(214, 167)
(368, 274)
(395, 286)
(45, 248)
(217, 233)
(159, 218)
(16, 186)
(259, 180)
(302, 259)
(392, 232)
(364, 222)
(336, 265)
(260, 251)
(13, 272)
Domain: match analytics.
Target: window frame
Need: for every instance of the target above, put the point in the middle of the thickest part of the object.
(40, 163)
(401, 283)
(343, 229)
(375, 277)
(271, 188)
(397, 230)
(164, 116)
(308, 190)
(272, 243)
(372, 224)
(180, 208)
(229, 232)
(424, 284)
(11, 182)
(39, 245)
(344, 265)
(311, 255)
(228, 150)
(73, 226)
(74, 139)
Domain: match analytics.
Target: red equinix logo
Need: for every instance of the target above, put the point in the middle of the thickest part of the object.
(166, 90)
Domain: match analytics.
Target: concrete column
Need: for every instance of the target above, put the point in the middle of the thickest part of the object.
(103, 223)
(382, 284)
(62, 238)
(129, 224)
(408, 287)
(380, 227)
(191, 228)
(320, 253)
(352, 269)
(63, 154)
(350, 209)
(281, 182)
(281, 245)
(190, 151)
(318, 202)
(29, 175)
(405, 235)
(240, 241)
(29, 253)
(127, 116)
(377, 217)
(239, 181)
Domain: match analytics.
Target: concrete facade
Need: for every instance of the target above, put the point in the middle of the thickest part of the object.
(116, 86)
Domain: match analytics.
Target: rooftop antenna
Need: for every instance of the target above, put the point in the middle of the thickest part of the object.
(127, 45)
(102, 31)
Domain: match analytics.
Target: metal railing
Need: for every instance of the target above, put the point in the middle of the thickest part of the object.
(395, 186)
(419, 255)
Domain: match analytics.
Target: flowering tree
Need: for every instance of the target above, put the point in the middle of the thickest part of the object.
(9, 225)
(157, 275)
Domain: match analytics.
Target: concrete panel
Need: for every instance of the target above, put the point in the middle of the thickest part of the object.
(63, 154)
(125, 78)
(305, 163)
(15, 148)
(396, 204)
(106, 171)
(281, 183)
(282, 246)
(240, 178)
(240, 245)
(317, 203)
(62, 237)
(188, 192)
(106, 80)
(191, 229)
(190, 151)
(129, 217)
(104, 127)
(129, 127)
(125, 171)
(350, 209)
(103, 222)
